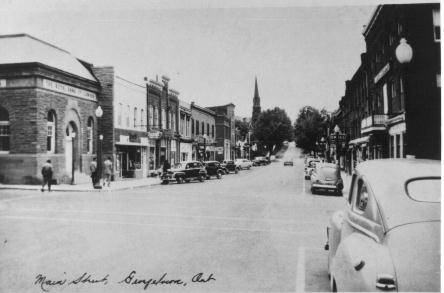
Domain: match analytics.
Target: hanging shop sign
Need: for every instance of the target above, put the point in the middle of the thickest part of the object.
(154, 134)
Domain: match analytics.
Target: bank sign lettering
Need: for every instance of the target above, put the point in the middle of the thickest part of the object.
(69, 90)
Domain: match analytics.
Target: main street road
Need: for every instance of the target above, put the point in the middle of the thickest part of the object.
(259, 230)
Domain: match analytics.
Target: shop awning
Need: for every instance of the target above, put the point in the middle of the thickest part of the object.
(360, 140)
(131, 144)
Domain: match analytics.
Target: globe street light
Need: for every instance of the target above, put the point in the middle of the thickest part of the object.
(99, 114)
(404, 52)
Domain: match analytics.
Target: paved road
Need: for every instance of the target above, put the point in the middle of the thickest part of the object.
(259, 230)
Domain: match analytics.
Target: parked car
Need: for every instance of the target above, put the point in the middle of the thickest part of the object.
(260, 161)
(185, 171)
(230, 166)
(311, 164)
(288, 163)
(213, 169)
(388, 238)
(326, 177)
(243, 163)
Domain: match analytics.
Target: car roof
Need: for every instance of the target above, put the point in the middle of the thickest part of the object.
(387, 178)
(211, 162)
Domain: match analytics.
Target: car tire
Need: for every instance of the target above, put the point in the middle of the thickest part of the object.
(165, 182)
(249, 167)
(313, 190)
(208, 177)
(187, 180)
(236, 171)
(201, 178)
(219, 175)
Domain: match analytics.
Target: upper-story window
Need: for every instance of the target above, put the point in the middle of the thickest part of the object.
(192, 126)
(150, 115)
(197, 127)
(156, 118)
(163, 114)
(208, 129)
(119, 114)
(203, 128)
(89, 135)
(436, 25)
(128, 116)
(142, 119)
(4, 130)
(173, 121)
(212, 130)
(135, 117)
(51, 131)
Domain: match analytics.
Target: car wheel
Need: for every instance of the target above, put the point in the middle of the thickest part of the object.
(236, 171)
(339, 192)
(187, 180)
(179, 180)
(208, 177)
(219, 175)
(201, 178)
(249, 167)
(313, 191)
(165, 182)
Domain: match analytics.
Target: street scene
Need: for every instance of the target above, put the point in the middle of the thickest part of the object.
(229, 146)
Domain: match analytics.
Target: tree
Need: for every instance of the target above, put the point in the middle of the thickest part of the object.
(243, 127)
(272, 128)
(309, 127)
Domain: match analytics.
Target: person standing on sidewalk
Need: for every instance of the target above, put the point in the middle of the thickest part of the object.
(108, 168)
(166, 166)
(47, 175)
(93, 169)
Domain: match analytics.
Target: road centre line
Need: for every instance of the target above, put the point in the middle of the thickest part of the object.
(166, 215)
(300, 270)
(148, 224)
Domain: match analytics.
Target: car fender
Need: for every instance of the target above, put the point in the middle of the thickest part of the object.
(358, 261)
(334, 234)
(180, 173)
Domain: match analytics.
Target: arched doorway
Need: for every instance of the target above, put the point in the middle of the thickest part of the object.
(72, 155)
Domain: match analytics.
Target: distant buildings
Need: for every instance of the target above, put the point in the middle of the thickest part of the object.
(49, 109)
(392, 105)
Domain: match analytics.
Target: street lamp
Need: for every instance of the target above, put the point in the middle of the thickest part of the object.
(73, 136)
(404, 52)
(99, 114)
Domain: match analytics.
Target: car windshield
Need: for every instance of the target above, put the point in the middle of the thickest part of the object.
(328, 172)
(312, 164)
(177, 166)
(425, 189)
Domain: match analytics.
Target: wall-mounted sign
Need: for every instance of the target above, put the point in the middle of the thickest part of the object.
(154, 134)
(133, 138)
(69, 90)
(382, 72)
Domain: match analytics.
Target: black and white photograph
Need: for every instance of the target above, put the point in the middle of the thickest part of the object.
(220, 146)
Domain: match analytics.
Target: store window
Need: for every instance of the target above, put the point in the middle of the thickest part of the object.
(50, 136)
(4, 130)
(398, 145)
(392, 146)
(436, 25)
(89, 135)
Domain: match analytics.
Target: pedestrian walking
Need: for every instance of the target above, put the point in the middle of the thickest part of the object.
(93, 169)
(108, 168)
(47, 175)
(166, 166)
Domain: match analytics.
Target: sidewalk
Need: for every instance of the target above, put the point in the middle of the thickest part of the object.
(87, 187)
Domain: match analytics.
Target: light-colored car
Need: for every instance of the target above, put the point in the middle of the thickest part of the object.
(309, 166)
(388, 238)
(243, 163)
(326, 177)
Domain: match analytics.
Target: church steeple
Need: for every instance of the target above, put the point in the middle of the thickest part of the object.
(256, 103)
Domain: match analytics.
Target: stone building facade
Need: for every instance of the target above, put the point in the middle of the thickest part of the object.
(47, 111)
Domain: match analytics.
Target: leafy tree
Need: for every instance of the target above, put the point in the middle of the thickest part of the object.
(310, 126)
(243, 128)
(272, 128)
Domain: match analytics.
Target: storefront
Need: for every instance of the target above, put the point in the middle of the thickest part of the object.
(131, 157)
(186, 151)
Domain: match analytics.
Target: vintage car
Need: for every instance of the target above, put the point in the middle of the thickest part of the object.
(185, 171)
(230, 166)
(213, 168)
(261, 161)
(243, 163)
(309, 166)
(288, 163)
(388, 239)
(326, 177)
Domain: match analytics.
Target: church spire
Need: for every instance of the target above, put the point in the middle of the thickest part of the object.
(256, 103)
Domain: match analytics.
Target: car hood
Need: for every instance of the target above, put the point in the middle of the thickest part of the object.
(416, 253)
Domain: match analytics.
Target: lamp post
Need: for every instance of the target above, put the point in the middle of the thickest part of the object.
(338, 156)
(404, 55)
(73, 136)
(323, 147)
(99, 114)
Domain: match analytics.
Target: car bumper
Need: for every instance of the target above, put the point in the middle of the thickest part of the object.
(324, 186)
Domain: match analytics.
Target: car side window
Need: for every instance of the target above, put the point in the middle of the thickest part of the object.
(353, 189)
(189, 166)
(363, 197)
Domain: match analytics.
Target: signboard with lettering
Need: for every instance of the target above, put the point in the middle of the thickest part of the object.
(69, 90)
(133, 138)
(154, 134)
(341, 138)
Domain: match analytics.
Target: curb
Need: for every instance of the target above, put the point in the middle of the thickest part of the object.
(76, 190)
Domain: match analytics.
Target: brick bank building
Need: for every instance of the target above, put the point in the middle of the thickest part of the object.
(48, 100)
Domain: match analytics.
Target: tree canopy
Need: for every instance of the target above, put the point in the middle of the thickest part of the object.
(309, 127)
(243, 127)
(272, 128)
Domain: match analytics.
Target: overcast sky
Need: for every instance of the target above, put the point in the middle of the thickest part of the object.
(212, 50)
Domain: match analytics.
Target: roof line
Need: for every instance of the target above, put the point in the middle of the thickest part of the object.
(37, 39)
(119, 77)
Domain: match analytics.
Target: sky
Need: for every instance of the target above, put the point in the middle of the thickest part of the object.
(301, 52)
